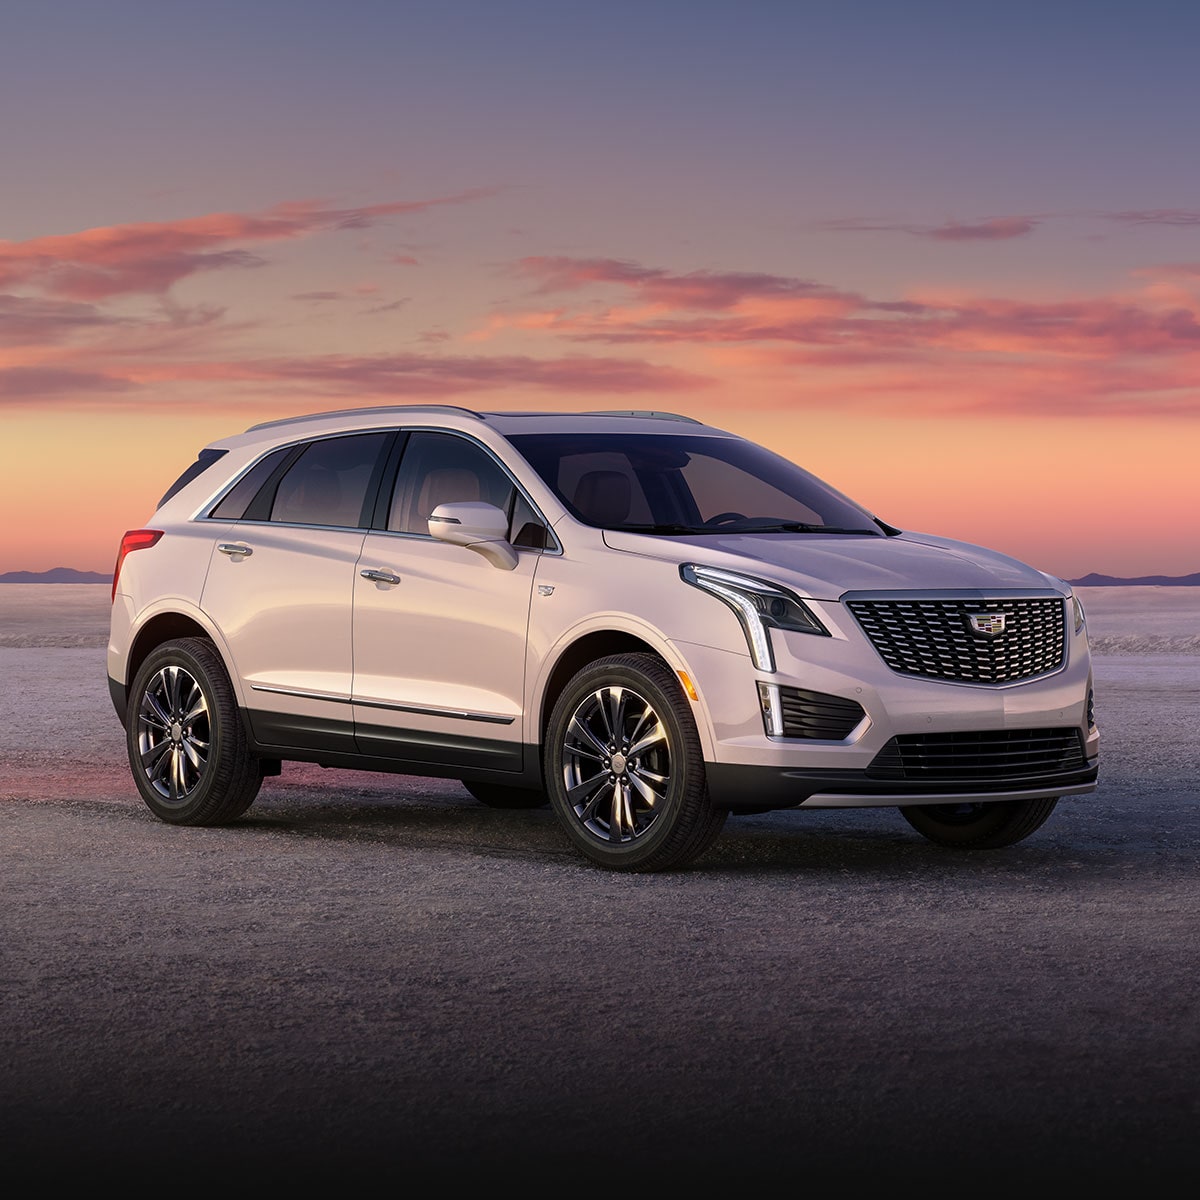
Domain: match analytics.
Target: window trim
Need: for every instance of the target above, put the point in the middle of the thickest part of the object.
(383, 480)
(388, 488)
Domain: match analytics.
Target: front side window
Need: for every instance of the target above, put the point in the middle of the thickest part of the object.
(685, 484)
(327, 484)
(439, 468)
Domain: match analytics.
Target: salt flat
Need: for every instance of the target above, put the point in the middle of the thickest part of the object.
(1122, 620)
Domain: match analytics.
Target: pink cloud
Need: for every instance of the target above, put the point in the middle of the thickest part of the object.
(992, 230)
(988, 229)
(149, 257)
(28, 384)
(1182, 217)
(29, 321)
(714, 290)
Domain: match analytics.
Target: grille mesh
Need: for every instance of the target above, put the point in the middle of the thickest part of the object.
(934, 638)
(817, 715)
(996, 754)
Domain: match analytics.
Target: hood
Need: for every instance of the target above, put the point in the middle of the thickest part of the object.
(826, 566)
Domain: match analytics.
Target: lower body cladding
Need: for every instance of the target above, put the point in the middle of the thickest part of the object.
(821, 738)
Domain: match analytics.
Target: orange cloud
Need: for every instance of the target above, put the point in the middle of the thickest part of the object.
(706, 307)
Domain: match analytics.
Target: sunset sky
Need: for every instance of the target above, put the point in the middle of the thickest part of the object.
(945, 255)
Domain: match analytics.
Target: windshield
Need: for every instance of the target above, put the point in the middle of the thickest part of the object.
(687, 484)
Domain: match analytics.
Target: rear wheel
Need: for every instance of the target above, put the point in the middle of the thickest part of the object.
(504, 795)
(986, 826)
(187, 748)
(624, 767)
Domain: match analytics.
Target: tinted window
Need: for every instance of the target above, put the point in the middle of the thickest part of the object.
(525, 527)
(438, 468)
(204, 460)
(681, 481)
(232, 507)
(327, 484)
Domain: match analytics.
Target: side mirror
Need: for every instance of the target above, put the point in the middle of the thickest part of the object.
(478, 526)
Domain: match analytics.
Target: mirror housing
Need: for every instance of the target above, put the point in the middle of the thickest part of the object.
(478, 526)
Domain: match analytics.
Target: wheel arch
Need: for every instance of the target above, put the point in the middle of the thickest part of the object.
(165, 625)
(599, 643)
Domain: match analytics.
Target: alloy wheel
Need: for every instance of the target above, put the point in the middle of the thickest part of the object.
(173, 733)
(616, 764)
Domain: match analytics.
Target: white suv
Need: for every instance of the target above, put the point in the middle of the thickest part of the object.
(644, 621)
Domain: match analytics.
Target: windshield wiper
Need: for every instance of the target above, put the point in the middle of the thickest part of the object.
(666, 528)
(801, 527)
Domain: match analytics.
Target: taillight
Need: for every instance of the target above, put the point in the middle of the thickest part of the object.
(135, 539)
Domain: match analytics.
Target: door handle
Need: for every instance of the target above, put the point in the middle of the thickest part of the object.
(380, 576)
(233, 549)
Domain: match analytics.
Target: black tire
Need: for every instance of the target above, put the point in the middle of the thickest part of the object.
(187, 746)
(986, 826)
(503, 795)
(625, 770)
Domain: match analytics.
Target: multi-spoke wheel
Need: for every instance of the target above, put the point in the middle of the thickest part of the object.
(624, 767)
(986, 826)
(187, 748)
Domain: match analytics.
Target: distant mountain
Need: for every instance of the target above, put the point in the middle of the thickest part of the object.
(1095, 580)
(56, 575)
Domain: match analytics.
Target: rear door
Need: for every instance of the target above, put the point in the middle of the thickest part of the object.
(281, 588)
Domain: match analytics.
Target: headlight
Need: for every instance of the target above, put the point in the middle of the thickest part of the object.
(1077, 611)
(759, 606)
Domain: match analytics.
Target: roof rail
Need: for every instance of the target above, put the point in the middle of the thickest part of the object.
(378, 409)
(643, 412)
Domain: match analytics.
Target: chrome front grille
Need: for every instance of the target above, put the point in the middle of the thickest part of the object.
(935, 638)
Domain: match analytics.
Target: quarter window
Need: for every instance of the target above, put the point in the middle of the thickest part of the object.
(327, 484)
(233, 505)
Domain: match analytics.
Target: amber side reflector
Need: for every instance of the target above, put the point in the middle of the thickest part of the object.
(135, 539)
(688, 686)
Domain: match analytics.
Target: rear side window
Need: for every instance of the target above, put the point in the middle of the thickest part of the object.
(328, 483)
(232, 507)
(204, 460)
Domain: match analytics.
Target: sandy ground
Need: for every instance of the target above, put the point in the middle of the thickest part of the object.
(375, 974)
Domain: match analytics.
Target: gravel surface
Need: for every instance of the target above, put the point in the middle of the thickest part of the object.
(374, 978)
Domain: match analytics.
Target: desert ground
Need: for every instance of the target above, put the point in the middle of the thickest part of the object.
(370, 975)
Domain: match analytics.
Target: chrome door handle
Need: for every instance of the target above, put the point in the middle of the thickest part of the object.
(380, 576)
(233, 549)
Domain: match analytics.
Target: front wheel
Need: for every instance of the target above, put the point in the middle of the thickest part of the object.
(625, 770)
(187, 748)
(986, 826)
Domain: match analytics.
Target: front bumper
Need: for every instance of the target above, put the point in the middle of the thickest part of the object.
(754, 788)
(747, 769)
